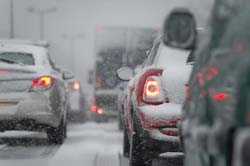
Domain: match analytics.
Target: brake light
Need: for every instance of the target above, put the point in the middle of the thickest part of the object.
(149, 88)
(220, 97)
(100, 111)
(76, 85)
(93, 108)
(42, 83)
(152, 93)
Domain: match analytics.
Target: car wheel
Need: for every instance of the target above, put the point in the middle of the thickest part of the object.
(57, 135)
(126, 145)
(138, 155)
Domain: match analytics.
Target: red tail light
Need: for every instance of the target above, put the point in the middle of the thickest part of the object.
(220, 97)
(76, 85)
(100, 111)
(43, 83)
(93, 108)
(149, 89)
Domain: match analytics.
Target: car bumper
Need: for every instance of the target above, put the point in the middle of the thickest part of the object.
(33, 108)
(156, 126)
(158, 116)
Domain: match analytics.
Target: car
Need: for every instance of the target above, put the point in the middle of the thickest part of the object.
(153, 104)
(104, 105)
(32, 91)
(215, 126)
(77, 102)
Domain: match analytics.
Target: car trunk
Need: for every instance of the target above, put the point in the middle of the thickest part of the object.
(15, 79)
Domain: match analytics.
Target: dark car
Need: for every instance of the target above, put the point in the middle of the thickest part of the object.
(217, 102)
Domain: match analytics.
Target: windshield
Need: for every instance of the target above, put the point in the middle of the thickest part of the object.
(17, 58)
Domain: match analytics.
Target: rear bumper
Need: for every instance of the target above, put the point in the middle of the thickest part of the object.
(158, 116)
(32, 108)
(160, 143)
(155, 119)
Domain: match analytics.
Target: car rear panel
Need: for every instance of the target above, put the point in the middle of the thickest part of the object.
(18, 102)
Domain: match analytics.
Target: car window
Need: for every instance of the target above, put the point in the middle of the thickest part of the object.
(17, 58)
(167, 57)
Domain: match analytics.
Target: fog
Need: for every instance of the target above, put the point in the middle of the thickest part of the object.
(77, 21)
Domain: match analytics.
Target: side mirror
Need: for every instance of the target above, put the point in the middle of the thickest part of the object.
(68, 75)
(179, 29)
(125, 73)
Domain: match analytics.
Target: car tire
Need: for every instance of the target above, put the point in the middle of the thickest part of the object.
(57, 135)
(126, 145)
(139, 155)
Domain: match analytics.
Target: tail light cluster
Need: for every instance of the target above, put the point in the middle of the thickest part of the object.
(149, 89)
(76, 85)
(97, 110)
(42, 83)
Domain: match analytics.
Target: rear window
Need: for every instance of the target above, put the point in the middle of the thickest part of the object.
(107, 102)
(171, 57)
(17, 58)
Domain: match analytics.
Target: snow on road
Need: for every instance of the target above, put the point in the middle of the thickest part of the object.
(89, 144)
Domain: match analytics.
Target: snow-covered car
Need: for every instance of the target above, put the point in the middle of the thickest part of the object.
(32, 91)
(77, 102)
(153, 106)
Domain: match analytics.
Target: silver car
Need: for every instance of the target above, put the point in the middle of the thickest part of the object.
(32, 91)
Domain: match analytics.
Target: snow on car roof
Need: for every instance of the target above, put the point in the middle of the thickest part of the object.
(39, 53)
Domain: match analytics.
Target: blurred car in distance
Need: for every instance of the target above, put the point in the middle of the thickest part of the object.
(77, 110)
(32, 91)
(111, 54)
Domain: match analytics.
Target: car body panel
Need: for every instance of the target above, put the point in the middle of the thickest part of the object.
(44, 107)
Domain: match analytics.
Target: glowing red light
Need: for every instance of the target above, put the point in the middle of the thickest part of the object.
(43, 82)
(100, 111)
(220, 97)
(93, 108)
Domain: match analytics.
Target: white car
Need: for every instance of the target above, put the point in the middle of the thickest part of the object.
(152, 109)
(32, 91)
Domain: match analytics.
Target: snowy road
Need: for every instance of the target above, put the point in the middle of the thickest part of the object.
(89, 144)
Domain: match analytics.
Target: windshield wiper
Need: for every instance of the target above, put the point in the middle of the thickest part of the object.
(9, 61)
